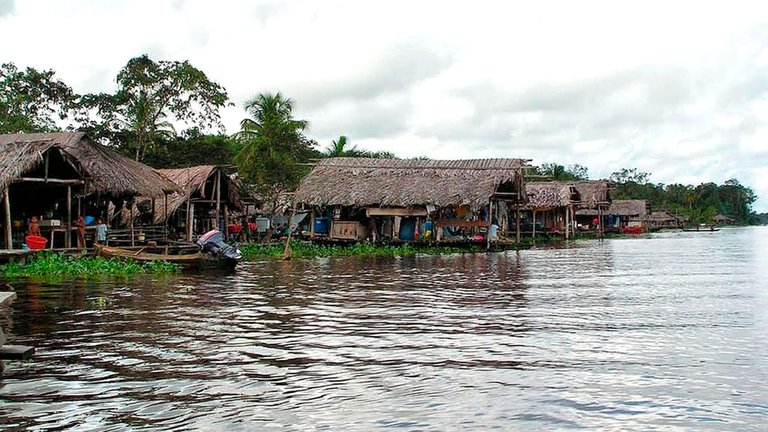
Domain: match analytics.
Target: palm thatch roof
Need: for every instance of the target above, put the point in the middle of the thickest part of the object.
(192, 183)
(548, 195)
(594, 193)
(587, 194)
(17, 158)
(365, 182)
(628, 208)
(106, 171)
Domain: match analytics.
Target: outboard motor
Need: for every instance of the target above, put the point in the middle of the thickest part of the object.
(213, 243)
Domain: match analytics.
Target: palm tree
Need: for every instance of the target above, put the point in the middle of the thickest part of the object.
(339, 148)
(271, 128)
(146, 124)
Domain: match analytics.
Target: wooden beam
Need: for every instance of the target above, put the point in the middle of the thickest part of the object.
(16, 352)
(461, 223)
(8, 227)
(48, 180)
(218, 197)
(394, 211)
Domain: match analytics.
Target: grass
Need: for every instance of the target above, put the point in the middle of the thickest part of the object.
(49, 264)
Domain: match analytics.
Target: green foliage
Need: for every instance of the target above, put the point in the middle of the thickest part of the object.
(305, 249)
(559, 172)
(150, 97)
(31, 100)
(273, 146)
(194, 148)
(699, 203)
(54, 265)
(341, 148)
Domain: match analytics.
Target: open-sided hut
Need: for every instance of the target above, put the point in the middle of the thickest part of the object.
(207, 195)
(401, 199)
(626, 213)
(48, 173)
(560, 202)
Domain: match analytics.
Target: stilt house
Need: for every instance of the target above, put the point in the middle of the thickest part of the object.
(61, 175)
(406, 200)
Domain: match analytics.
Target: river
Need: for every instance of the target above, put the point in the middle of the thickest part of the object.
(663, 332)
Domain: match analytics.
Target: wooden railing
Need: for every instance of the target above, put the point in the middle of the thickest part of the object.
(137, 235)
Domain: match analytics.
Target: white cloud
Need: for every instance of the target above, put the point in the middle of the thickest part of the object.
(678, 89)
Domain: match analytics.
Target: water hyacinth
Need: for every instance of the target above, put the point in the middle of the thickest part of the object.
(50, 264)
(304, 249)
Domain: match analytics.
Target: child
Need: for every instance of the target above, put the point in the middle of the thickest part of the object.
(34, 228)
(101, 232)
(81, 232)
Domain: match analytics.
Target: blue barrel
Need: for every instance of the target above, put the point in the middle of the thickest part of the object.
(321, 225)
(407, 227)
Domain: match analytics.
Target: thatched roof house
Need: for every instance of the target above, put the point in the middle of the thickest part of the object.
(549, 195)
(364, 182)
(594, 193)
(105, 170)
(199, 184)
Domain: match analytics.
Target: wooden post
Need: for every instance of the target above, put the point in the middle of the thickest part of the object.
(517, 222)
(488, 231)
(312, 224)
(68, 231)
(190, 219)
(218, 197)
(8, 227)
(130, 204)
(534, 223)
(226, 222)
(165, 213)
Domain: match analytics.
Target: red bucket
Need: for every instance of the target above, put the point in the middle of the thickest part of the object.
(36, 242)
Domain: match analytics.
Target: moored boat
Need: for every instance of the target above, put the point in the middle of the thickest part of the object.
(209, 252)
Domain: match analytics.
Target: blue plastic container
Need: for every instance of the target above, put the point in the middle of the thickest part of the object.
(89, 220)
(407, 228)
(321, 225)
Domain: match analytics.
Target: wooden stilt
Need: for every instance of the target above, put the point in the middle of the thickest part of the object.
(133, 238)
(218, 198)
(68, 232)
(190, 219)
(534, 224)
(8, 226)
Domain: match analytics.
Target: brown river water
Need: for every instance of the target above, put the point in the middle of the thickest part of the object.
(668, 331)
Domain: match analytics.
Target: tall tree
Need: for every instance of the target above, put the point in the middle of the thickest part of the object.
(32, 100)
(151, 96)
(273, 146)
(559, 172)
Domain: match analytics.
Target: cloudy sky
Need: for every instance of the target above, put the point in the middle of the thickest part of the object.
(677, 89)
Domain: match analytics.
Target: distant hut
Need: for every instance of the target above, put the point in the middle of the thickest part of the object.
(627, 213)
(561, 202)
(48, 173)
(663, 219)
(398, 199)
(207, 195)
(721, 219)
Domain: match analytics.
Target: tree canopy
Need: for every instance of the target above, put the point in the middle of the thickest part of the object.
(32, 100)
(150, 98)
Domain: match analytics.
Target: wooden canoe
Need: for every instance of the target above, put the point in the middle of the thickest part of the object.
(194, 260)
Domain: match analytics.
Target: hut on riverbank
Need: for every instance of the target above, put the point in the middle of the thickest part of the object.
(207, 196)
(55, 174)
(407, 199)
(623, 214)
(554, 206)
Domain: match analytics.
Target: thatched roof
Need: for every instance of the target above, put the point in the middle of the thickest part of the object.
(367, 182)
(628, 208)
(17, 158)
(662, 217)
(593, 193)
(192, 181)
(548, 195)
(106, 171)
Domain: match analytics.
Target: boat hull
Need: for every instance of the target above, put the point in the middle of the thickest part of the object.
(187, 261)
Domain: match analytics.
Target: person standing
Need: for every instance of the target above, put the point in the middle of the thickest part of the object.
(101, 232)
(81, 232)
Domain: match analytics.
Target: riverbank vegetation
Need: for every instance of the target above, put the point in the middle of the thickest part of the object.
(60, 265)
(307, 249)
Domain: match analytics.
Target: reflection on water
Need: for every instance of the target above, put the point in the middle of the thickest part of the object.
(660, 332)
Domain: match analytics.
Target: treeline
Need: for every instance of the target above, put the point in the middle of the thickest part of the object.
(270, 149)
(700, 204)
